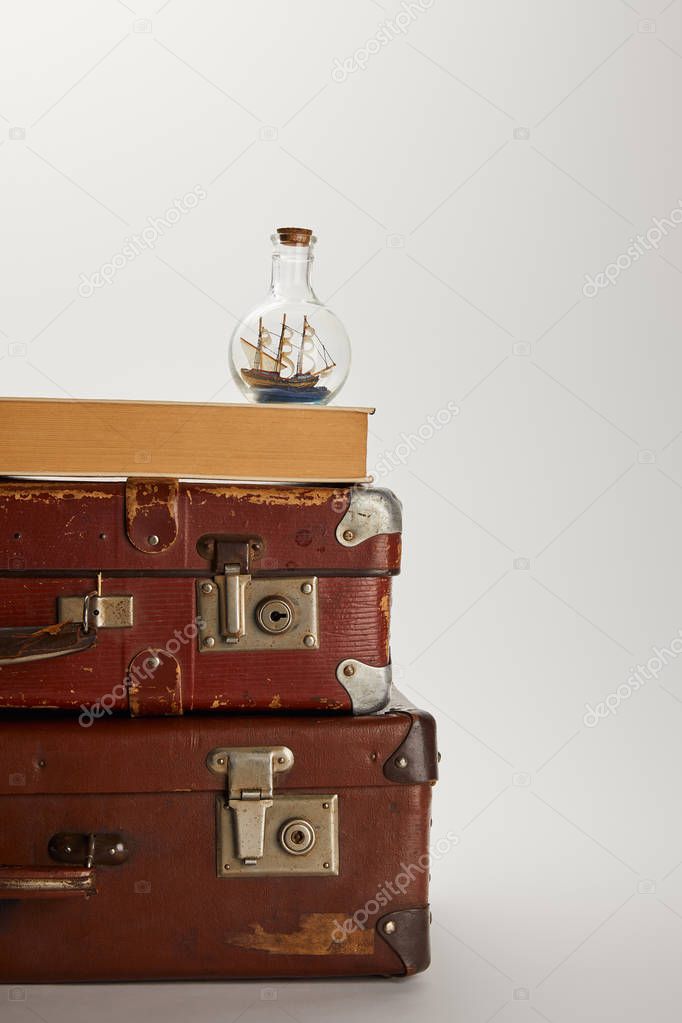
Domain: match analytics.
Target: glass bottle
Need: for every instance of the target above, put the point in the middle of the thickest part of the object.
(291, 347)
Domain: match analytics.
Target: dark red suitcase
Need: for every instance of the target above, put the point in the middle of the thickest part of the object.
(192, 596)
(209, 847)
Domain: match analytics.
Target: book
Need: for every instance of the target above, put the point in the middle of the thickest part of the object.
(277, 443)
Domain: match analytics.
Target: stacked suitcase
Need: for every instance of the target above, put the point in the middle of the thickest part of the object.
(203, 769)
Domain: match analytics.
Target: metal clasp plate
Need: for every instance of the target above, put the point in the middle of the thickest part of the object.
(239, 612)
(264, 834)
(113, 611)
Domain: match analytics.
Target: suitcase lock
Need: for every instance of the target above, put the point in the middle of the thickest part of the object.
(240, 612)
(260, 832)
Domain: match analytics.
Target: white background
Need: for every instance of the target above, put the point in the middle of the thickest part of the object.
(542, 525)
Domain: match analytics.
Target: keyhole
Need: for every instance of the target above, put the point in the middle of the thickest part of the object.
(297, 837)
(274, 615)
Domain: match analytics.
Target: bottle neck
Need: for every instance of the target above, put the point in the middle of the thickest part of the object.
(291, 272)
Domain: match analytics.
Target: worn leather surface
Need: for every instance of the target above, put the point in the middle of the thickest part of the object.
(152, 514)
(78, 526)
(155, 684)
(354, 622)
(51, 755)
(164, 913)
(55, 537)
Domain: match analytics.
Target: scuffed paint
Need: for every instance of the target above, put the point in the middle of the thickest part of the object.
(159, 692)
(152, 507)
(313, 938)
(142, 495)
(293, 497)
(41, 496)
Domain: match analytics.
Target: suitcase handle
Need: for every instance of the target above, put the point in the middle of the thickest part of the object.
(21, 645)
(46, 883)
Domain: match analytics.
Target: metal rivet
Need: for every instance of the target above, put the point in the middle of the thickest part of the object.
(348, 534)
(349, 670)
(220, 761)
(309, 640)
(152, 540)
(281, 760)
(307, 588)
(207, 587)
(67, 849)
(42, 763)
(389, 927)
(326, 866)
(401, 762)
(102, 536)
(112, 852)
(325, 806)
(154, 661)
(209, 641)
(227, 866)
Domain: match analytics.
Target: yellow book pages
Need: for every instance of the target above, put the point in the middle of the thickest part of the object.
(278, 443)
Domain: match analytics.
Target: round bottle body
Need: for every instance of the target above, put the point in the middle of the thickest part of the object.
(291, 347)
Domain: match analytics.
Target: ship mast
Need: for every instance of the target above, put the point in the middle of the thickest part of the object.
(280, 349)
(299, 364)
(258, 357)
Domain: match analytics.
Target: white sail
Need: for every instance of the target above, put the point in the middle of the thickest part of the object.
(277, 355)
(269, 359)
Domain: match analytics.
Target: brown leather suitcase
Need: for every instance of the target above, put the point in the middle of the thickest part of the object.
(195, 596)
(215, 847)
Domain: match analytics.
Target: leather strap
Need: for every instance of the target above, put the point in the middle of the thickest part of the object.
(152, 514)
(39, 644)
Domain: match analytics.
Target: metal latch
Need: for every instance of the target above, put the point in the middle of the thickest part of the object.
(232, 557)
(96, 610)
(238, 612)
(235, 584)
(249, 789)
(260, 833)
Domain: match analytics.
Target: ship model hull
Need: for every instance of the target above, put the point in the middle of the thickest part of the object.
(273, 385)
(266, 379)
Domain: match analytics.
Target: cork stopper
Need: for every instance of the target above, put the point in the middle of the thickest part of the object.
(294, 235)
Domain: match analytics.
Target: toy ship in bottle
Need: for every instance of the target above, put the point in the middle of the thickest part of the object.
(291, 348)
